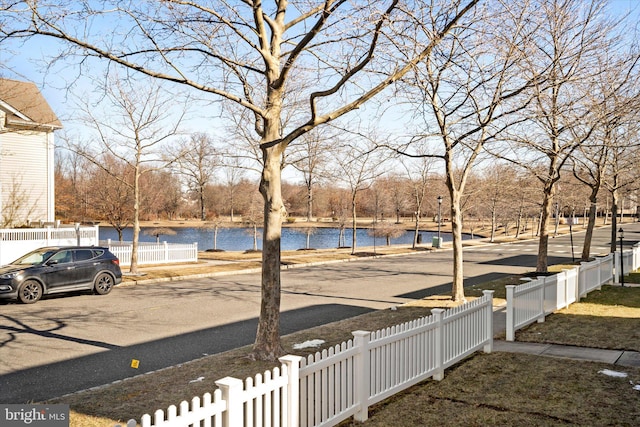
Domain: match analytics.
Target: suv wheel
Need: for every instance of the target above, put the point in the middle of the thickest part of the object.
(103, 284)
(29, 292)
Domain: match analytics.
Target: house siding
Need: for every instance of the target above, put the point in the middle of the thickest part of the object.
(26, 176)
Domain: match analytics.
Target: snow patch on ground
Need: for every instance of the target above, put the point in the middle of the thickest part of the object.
(613, 373)
(307, 344)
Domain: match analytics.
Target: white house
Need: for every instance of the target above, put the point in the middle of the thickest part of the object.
(27, 126)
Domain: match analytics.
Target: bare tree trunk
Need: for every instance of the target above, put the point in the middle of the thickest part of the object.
(353, 225)
(268, 345)
(203, 215)
(519, 221)
(416, 231)
(588, 237)
(543, 243)
(309, 202)
(133, 267)
(614, 219)
(493, 224)
(457, 293)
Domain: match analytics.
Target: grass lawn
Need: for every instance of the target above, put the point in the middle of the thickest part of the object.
(486, 389)
(609, 318)
(504, 389)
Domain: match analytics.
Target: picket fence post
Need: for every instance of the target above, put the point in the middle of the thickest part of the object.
(293, 389)
(439, 338)
(362, 370)
(488, 348)
(231, 389)
(582, 279)
(510, 312)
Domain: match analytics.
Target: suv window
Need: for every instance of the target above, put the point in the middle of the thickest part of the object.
(83, 254)
(98, 252)
(61, 257)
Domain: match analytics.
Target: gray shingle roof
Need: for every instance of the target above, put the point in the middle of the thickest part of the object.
(25, 106)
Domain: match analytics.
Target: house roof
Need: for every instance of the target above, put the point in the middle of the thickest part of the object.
(25, 106)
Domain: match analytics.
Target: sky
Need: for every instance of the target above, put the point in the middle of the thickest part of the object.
(29, 64)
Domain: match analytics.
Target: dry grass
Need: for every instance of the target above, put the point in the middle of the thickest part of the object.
(494, 389)
(605, 319)
(211, 263)
(146, 393)
(515, 390)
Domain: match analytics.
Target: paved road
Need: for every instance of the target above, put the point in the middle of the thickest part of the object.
(61, 345)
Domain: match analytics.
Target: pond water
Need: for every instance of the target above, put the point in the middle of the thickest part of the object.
(241, 239)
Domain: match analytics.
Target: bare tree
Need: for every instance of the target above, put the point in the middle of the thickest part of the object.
(309, 156)
(71, 185)
(621, 171)
(18, 205)
(233, 176)
(131, 127)
(418, 170)
(616, 94)
(110, 195)
(569, 37)
(499, 188)
(197, 160)
(162, 195)
(460, 93)
(358, 167)
(308, 232)
(387, 230)
(160, 231)
(248, 53)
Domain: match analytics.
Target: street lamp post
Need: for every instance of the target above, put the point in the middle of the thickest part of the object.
(555, 232)
(439, 219)
(621, 234)
(570, 221)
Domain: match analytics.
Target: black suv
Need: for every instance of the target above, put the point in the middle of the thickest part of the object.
(59, 269)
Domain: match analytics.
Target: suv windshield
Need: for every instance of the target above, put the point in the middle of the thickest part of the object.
(34, 258)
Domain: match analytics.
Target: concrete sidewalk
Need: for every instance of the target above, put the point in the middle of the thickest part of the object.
(613, 357)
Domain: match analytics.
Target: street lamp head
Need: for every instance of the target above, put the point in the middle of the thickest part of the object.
(439, 200)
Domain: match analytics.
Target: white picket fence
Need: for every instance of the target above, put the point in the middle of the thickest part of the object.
(154, 253)
(16, 242)
(533, 301)
(343, 381)
(630, 261)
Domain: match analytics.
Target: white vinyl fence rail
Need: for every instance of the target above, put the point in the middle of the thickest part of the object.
(533, 301)
(594, 274)
(345, 380)
(16, 242)
(154, 253)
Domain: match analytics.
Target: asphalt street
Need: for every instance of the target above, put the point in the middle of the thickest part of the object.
(65, 344)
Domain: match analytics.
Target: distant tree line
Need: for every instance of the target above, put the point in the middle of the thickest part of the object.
(501, 198)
